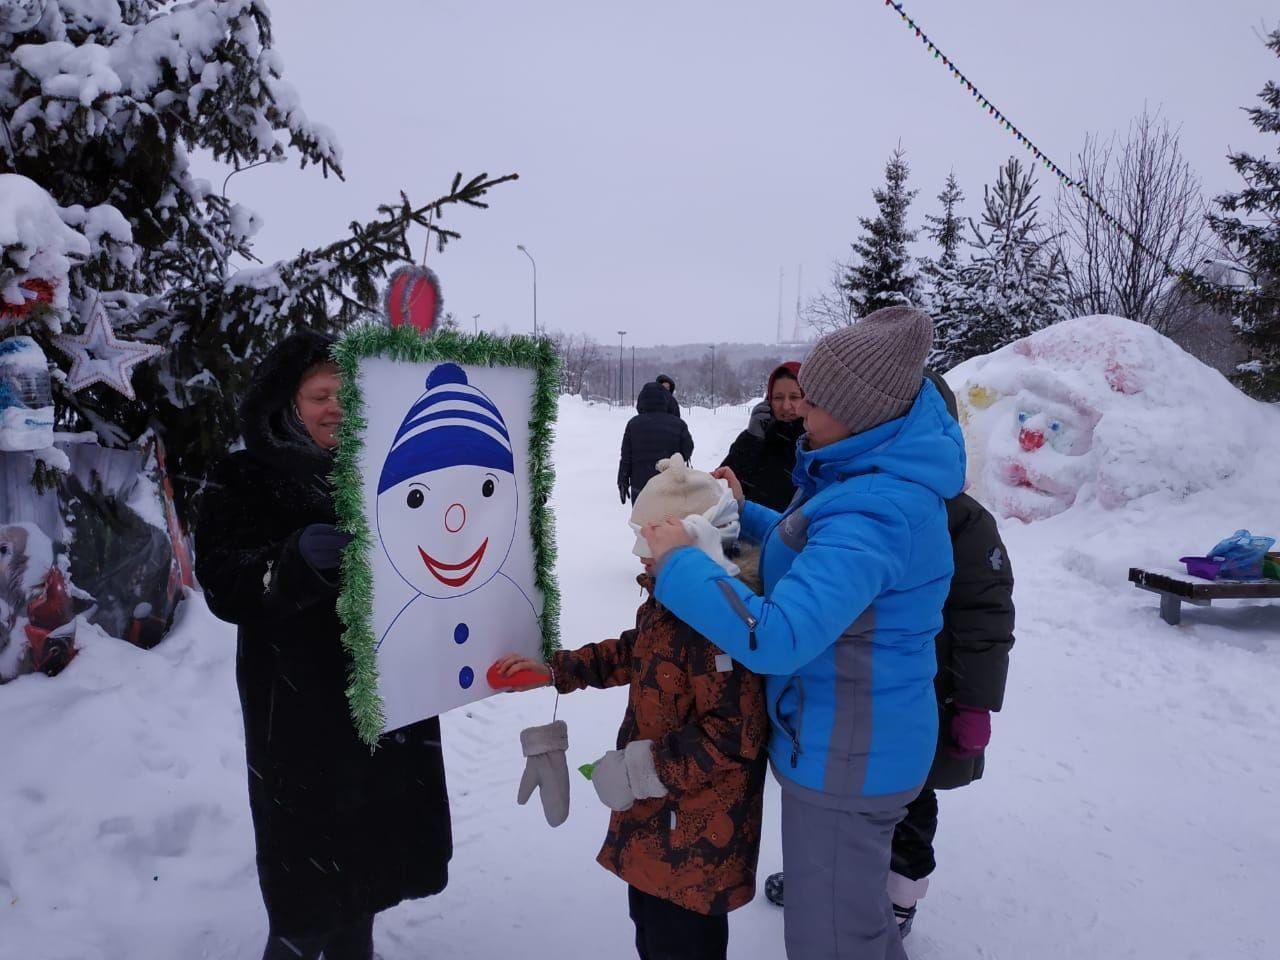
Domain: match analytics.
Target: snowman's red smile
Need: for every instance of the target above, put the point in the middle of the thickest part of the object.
(455, 574)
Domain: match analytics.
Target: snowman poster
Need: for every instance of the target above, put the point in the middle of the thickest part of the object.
(442, 478)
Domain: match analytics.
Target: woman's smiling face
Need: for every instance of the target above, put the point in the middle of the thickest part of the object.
(786, 400)
(317, 404)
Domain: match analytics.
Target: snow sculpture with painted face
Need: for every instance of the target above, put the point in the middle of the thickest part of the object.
(447, 508)
(1099, 410)
(1038, 460)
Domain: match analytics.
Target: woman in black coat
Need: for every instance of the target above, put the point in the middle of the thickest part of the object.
(342, 832)
(764, 454)
(669, 385)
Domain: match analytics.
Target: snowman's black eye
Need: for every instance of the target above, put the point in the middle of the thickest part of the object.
(414, 500)
(488, 488)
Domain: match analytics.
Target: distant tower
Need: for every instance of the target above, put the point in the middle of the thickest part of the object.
(797, 335)
(781, 270)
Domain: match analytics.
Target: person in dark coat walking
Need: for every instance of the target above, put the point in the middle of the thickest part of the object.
(764, 455)
(973, 665)
(341, 832)
(673, 405)
(653, 434)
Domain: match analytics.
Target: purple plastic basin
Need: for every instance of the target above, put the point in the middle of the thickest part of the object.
(1205, 567)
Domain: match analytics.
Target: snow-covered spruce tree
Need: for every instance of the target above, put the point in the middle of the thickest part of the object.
(880, 274)
(938, 274)
(1249, 228)
(101, 105)
(1014, 284)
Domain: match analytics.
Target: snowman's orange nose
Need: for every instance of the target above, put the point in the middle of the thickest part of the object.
(455, 518)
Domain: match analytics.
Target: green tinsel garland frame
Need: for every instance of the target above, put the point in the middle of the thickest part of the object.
(355, 599)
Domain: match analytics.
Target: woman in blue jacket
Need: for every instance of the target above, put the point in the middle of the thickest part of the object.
(855, 574)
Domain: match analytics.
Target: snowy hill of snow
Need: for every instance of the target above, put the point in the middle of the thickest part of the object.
(1103, 409)
(1129, 808)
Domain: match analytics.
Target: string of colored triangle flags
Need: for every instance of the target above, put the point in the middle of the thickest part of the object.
(995, 113)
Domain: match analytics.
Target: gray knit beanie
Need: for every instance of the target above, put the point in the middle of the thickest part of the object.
(869, 373)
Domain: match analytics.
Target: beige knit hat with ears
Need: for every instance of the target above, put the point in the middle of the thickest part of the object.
(676, 491)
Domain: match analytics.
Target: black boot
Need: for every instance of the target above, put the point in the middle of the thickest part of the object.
(773, 889)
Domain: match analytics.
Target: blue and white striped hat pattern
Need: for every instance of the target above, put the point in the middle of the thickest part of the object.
(450, 425)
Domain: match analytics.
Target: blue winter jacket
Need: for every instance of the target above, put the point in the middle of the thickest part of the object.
(855, 574)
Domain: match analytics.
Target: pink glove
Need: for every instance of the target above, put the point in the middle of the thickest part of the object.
(970, 730)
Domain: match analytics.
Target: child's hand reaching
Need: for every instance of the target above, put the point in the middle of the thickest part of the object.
(519, 673)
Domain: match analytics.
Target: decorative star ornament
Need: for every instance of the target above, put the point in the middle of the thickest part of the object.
(19, 16)
(97, 356)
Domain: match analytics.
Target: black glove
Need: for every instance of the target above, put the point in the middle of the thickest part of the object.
(623, 491)
(321, 545)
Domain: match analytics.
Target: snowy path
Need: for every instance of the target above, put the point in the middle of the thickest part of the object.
(1130, 809)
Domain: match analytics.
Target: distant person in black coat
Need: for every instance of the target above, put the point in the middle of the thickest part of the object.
(764, 454)
(973, 665)
(673, 405)
(653, 434)
(341, 832)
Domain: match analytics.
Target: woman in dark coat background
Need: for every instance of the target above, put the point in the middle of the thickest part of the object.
(653, 434)
(764, 454)
(342, 832)
(669, 385)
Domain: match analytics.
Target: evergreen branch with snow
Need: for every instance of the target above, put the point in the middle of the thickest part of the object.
(101, 105)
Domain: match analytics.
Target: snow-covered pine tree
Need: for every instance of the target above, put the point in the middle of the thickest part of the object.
(101, 106)
(947, 230)
(1249, 228)
(938, 274)
(1014, 283)
(880, 275)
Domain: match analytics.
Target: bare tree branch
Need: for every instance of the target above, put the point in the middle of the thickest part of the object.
(830, 309)
(1149, 186)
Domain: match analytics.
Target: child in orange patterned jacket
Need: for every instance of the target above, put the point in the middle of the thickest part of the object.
(686, 781)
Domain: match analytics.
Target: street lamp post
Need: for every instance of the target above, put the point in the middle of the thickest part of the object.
(622, 383)
(520, 247)
(713, 378)
(475, 318)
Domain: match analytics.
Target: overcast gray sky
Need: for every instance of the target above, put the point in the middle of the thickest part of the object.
(674, 155)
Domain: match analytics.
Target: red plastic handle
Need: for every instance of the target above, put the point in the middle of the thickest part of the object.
(520, 678)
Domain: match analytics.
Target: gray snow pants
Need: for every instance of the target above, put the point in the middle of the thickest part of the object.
(837, 866)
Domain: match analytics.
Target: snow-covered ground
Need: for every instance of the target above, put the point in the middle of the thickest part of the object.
(1131, 806)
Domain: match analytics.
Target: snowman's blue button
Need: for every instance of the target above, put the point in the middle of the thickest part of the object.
(466, 677)
(460, 633)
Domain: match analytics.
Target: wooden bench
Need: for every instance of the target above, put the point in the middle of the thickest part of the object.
(1176, 589)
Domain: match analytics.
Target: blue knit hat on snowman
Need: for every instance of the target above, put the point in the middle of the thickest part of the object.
(452, 424)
